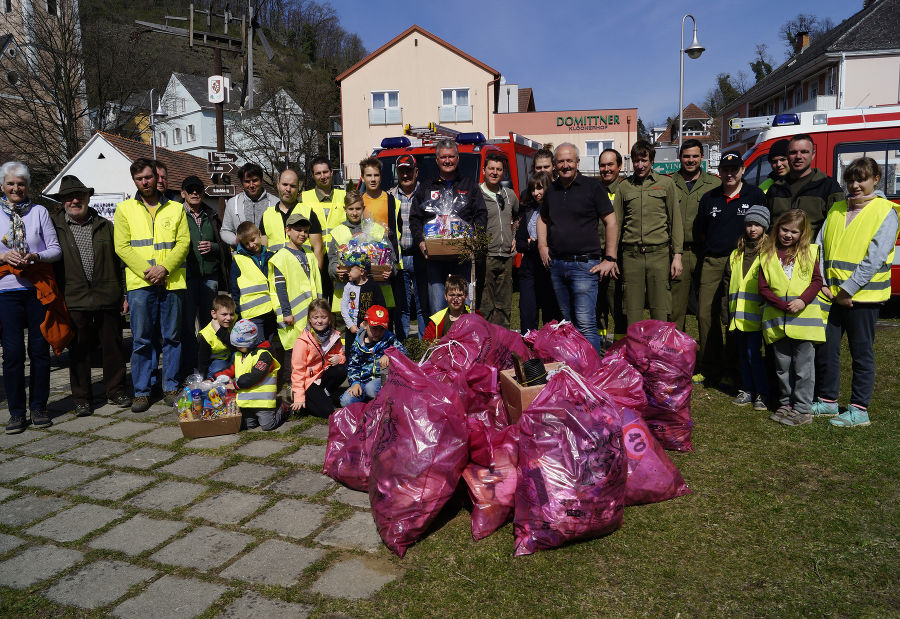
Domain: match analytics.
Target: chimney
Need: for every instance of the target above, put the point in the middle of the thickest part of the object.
(801, 41)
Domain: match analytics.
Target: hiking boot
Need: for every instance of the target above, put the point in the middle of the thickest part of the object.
(853, 417)
(40, 419)
(16, 425)
(743, 399)
(140, 404)
(698, 378)
(122, 401)
(796, 418)
(759, 404)
(783, 412)
(83, 409)
(821, 408)
(171, 397)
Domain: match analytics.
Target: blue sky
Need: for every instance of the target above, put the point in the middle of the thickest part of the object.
(595, 55)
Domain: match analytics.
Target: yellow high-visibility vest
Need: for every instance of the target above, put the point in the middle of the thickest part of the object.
(261, 395)
(744, 302)
(844, 247)
(274, 225)
(766, 184)
(301, 289)
(438, 316)
(219, 350)
(143, 241)
(330, 214)
(253, 288)
(809, 324)
(342, 235)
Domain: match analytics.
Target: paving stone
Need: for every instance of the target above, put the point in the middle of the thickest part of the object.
(97, 584)
(96, 451)
(114, 486)
(171, 597)
(351, 497)
(262, 448)
(143, 458)
(8, 542)
(253, 605)
(151, 413)
(53, 444)
(137, 535)
(29, 508)
(247, 474)
(274, 562)
(229, 507)
(36, 564)
(162, 436)
(193, 466)
(290, 517)
(6, 456)
(288, 425)
(108, 409)
(11, 440)
(124, 429)
(358, 532)
(83, 424)
(63, 477)
(302, 483)
(167, 495)
(23, 467)
(5, 493)
(317, 431)
(75, 523)
(311, 455)
(355, 579)
(213, 442)
(204, 548)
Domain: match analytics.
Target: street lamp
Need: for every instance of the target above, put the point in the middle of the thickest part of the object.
(693, 53)
(286, 153)
(158, 113)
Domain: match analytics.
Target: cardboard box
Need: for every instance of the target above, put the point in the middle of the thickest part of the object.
(378, 271)
(200, 428)
(516, 397)
(442, 247)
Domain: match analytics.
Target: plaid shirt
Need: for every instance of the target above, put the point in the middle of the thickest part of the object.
(406, 240)
(84, 240)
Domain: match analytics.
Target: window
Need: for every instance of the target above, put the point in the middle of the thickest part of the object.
(52, 8)
(176, 136)
(189, 133)
(7, 6)
(592, 149)
(886, 154)
(455, 105)
(385, 108)
(162, 139)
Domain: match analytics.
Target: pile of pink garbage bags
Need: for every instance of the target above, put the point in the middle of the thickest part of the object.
(591, 443)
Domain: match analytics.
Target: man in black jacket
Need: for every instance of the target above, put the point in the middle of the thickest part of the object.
(91, 278)
(471, 210)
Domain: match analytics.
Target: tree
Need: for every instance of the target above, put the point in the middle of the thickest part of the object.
(642, 132)
(727, 90)
(802, 22)
(761, 65)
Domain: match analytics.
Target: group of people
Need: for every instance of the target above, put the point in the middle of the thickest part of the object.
(255, 296)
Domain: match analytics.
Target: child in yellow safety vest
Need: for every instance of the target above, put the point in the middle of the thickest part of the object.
(857, 253)
(455, 294)
(789, 281)
(214, 340)
(745, 310)
(255, 377)
(249, 281)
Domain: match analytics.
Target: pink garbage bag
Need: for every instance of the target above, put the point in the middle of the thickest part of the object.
(665, 358)
(351, 434)
(491, 476)
(561, 341)
(652, 476)
(572, 466)
(419, 454)
(481, 396)
(621, 381)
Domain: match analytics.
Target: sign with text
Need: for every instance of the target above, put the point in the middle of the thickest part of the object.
(221, 191)
(220, 168)
(586, 122)
(221, 157)
(671, 167)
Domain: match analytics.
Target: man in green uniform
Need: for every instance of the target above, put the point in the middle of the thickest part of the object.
(692, 183)
(609, 294)
(647, 205)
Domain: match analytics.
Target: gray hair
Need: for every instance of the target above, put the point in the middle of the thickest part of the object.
(566, 145)
(15, 169)
(446, 144)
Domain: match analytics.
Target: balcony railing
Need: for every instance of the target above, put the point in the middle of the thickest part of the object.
(385, 116)
(455, 113)
(820, 103)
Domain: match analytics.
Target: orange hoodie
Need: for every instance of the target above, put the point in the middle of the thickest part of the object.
(309, 360)
(56, 328)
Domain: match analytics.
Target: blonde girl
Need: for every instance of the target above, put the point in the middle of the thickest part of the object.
(318, 364)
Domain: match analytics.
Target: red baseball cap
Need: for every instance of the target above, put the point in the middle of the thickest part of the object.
(377, 316)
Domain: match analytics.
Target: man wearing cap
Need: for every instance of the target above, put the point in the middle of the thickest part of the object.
(411, 285)
(206, 266)
(247, 206)
(691, 183)
(275, 218)
(718, 226)
(778, 161)
(91, 280)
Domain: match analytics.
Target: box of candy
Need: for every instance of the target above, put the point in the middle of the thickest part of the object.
(207, 408)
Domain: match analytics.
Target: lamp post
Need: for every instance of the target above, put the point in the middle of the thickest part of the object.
(693, 52)
(158, 113)
(285, 152)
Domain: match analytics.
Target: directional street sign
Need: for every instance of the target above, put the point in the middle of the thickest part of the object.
(221, 157)
(221, 191)
(220, 168)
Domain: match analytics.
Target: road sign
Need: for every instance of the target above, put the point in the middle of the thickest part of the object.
(216, 89)
(221, 157)
(221, 191)
(220, 168)
(670, 167)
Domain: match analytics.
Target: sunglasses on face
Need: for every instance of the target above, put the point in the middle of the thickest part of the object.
(193, 190)
(501, 201)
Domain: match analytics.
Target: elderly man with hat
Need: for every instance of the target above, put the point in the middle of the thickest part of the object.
(411, 286)
(206, 265)
(91, 279)
(717, 228)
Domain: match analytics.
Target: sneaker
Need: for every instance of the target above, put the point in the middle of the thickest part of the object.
(698, 379)
(783, 412)
(796, 418)
(759, 404)
(821, 408)
(122, 401)
(40, 419)
(171, 397)
(83, 409)
(743, 399)
(16, 425)
(853, 417)
(141, 403)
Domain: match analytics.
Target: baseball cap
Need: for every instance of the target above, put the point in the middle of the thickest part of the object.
(244, 334)
(406, 161)
(377, 316)
(731, 159)
(192, 182)
(297, 218)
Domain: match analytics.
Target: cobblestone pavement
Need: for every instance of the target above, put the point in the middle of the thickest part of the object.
(118, 514)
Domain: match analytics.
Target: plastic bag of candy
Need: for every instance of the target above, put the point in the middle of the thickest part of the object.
(445, 208)
(205, 399)
(491, 475)
(665, 358)
(351, 435)
(572, 466)
(561, 341)
(652, 476)
(420, 452)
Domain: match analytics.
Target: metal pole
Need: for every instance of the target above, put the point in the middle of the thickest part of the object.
(250, 61)
(681, 82)
(220, 120)
(152, 125)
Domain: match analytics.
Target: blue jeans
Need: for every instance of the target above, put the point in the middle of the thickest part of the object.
(753, 369)
(217, 365)
(576, 292)
(406, 296)
(436, 272)
(151, 306)
(369, 390)
(198, 301)
(21, 310)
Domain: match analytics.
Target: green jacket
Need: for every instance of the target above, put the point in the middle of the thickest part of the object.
(648, 212)
(689, 201)
(107, 286)
(815, 193)
(216, 263)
